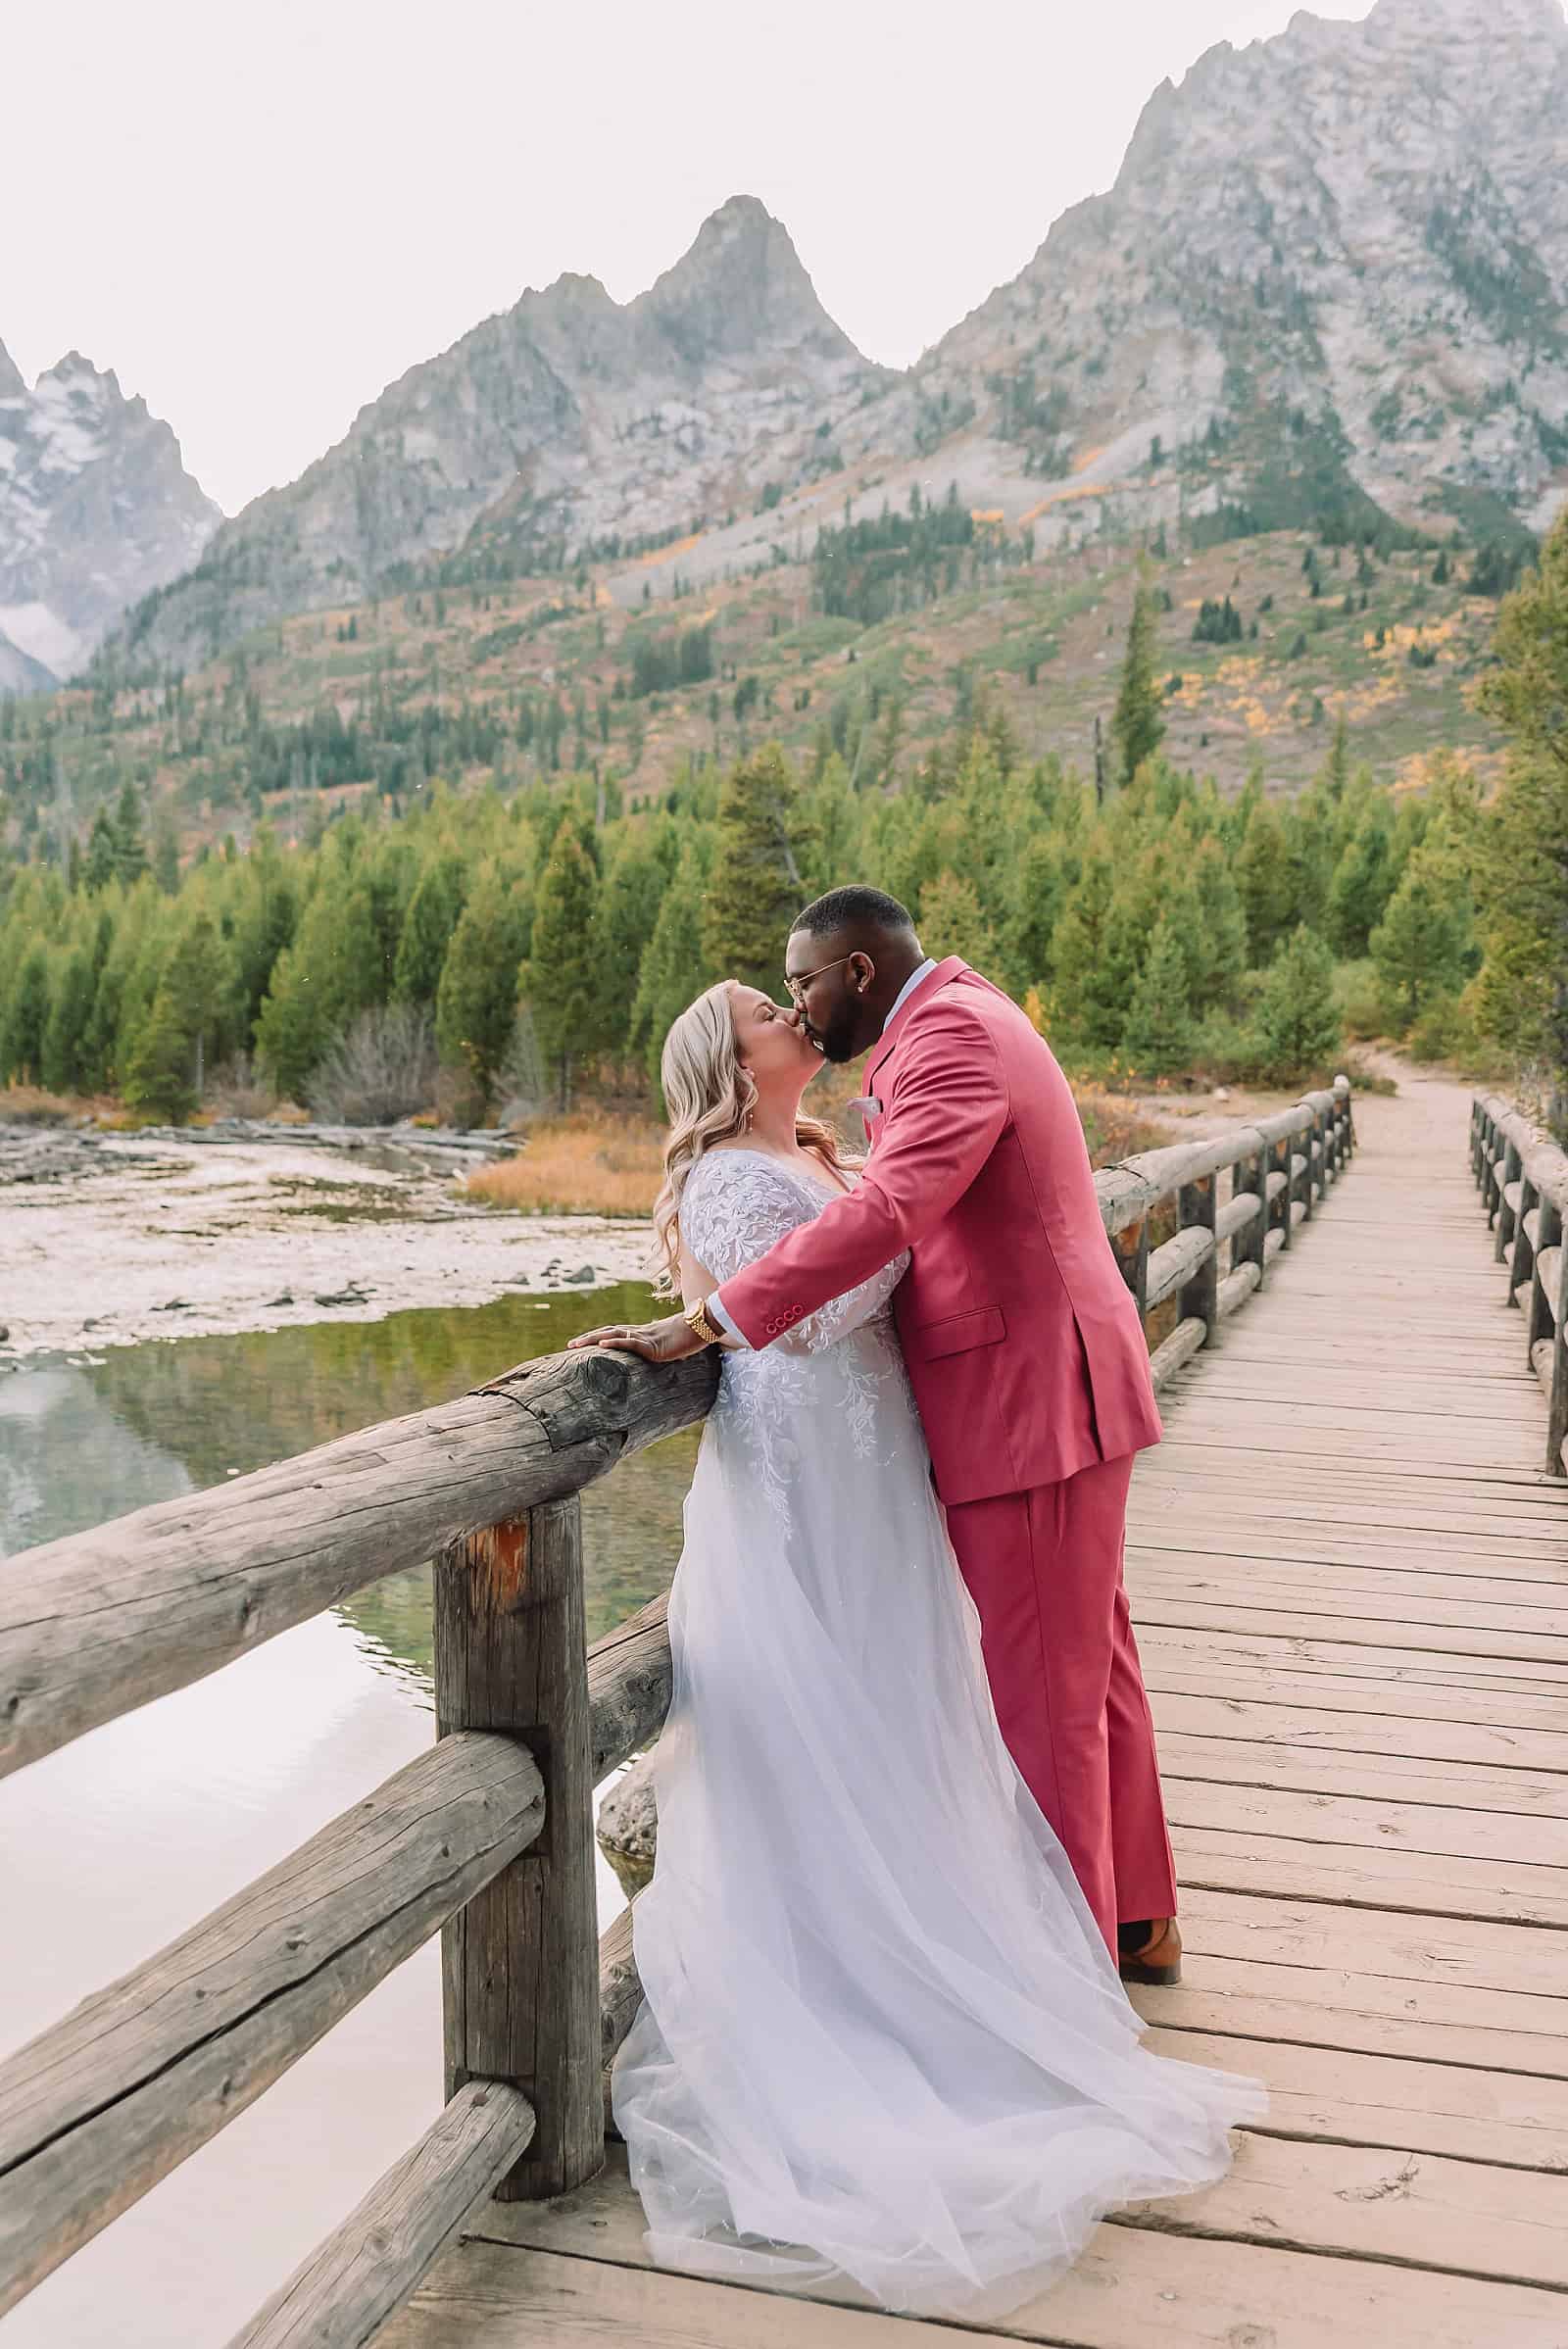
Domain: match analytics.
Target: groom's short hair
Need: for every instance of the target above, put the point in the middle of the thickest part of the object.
(851, 908)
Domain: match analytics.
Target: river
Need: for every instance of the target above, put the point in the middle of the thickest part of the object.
(126, 1837)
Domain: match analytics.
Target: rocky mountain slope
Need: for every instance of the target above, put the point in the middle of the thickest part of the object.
(96, 507)
(572, 420)
(1329, 288)
(1334, 261)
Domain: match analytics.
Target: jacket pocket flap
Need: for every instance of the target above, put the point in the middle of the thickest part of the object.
(985, 1326)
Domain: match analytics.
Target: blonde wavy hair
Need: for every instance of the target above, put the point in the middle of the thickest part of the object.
(709, 1094)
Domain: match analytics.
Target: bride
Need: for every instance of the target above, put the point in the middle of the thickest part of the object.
(882, 2038)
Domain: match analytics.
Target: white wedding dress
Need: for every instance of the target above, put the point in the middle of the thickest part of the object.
(882, 2040)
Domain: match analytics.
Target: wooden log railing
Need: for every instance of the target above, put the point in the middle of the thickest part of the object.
(1523, 1181)
(488, 1837)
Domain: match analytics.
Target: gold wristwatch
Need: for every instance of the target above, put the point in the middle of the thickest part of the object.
(702, 1324)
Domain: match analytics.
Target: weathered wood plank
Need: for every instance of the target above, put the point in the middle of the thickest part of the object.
(1371, 1826)
(96, 2110)
(1342, 2098)
(1315, 2005)
(585, 2277)
(1280, 1764)
(1465, 2218)
(340, 2297)
(93, 1626)
(1278, 1715)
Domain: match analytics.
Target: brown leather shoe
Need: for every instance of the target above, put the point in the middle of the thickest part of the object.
(1157, 1961)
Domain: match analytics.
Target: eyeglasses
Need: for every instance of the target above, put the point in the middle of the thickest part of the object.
(796, 987)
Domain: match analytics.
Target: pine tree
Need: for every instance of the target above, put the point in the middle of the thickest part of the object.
(628, 909)
(428, 927)
(197, 981)
(102, 862)
(1297, 1019)
(476, 1000)
(130, 846)
(755, 890)
(69, 1017)
(1216, 945)
(1137, 727)
(951, 922)
(1421, 946)
(1094, 959)
(1263, 876)
(675, 970)
(559, 983)
(159, 1075)
(166, 1065)
(26, 1022)
(1336, 775)
(1038, 887)
(1522, 869)
(328, 973)
(1363, 884)
(1158, 1035)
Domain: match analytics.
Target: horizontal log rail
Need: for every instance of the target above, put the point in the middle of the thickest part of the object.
(1523, 1181)
(488, 1838)
(97, 1624)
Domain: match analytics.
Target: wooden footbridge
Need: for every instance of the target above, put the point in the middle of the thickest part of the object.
(1349, 1571)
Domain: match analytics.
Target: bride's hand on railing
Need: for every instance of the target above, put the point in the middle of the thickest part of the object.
(668, 1341)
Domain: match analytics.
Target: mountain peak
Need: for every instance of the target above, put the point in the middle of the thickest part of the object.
(740, 286)
(11, 386)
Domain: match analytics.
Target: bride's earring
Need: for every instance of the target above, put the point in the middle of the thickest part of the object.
(750, 1110)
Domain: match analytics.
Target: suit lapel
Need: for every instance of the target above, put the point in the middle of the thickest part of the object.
(883, 1054)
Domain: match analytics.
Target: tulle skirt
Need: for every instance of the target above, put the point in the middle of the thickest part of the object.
(882, 2040)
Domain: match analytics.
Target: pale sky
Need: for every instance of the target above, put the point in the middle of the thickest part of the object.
(260, 215)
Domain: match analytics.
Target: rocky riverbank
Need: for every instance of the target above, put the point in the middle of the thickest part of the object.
(115, 1239)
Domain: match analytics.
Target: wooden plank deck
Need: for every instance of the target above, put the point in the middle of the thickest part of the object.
(1350, 1579)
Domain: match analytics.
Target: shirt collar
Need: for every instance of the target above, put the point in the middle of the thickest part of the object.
(907, 989)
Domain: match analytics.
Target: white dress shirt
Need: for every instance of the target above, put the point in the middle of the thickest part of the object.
(923, 971)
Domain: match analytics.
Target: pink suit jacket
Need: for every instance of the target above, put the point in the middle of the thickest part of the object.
(1023, 1342)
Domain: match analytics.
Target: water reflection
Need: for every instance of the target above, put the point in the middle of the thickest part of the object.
(133, 1833)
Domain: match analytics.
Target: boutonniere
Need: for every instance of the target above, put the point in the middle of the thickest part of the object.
(868, 1106)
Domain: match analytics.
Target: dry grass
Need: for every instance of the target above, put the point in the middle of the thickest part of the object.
(1116, 1127)
(592, 1164)
(31, 1104)
(607, 1162)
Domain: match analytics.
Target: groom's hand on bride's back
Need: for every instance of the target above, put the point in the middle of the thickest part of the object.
(667, 1341)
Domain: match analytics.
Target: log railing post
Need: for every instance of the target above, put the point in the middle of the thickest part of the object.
(1546, 1317)
(1490, 1187)
(1130, 1246)
(519, 1963)
(1250, 1243)
(1199, 1298)
(1524, 1255)
(1281, 1153)
(1512, 1168)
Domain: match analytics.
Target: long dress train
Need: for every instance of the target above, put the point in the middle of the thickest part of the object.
(882, 2039)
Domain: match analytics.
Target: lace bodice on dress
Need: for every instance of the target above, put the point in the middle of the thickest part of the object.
(846, 1356)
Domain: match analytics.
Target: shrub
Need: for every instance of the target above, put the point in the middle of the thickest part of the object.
(380, 1068)
(1362, 1000)
(1444, 1030)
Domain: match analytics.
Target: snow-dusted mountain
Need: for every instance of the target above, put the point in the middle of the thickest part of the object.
(96, 507)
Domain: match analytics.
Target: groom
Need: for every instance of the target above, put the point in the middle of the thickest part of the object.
(1026, 1357)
